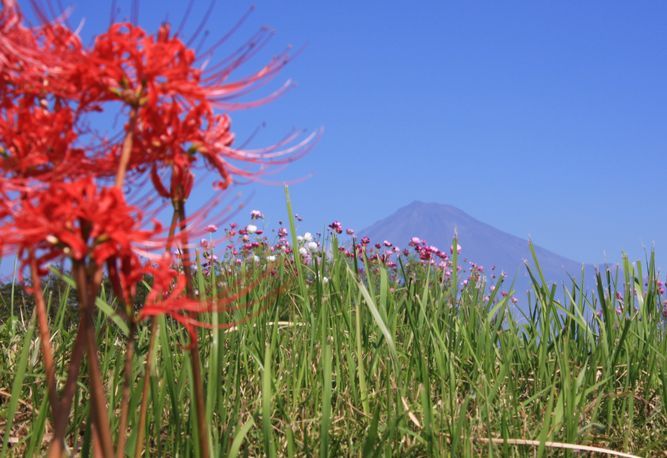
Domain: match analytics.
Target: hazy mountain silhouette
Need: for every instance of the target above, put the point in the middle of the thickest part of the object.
(481, 243)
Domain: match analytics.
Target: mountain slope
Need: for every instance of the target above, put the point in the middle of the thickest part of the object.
(481, 243)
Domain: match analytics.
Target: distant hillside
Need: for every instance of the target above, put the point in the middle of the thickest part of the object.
(481, 242)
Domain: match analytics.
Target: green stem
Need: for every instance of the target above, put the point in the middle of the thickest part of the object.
(202, 427)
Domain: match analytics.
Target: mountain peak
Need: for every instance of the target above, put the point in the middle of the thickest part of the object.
(482, 243)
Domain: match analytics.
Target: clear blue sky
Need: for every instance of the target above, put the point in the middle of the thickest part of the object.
(544, 119)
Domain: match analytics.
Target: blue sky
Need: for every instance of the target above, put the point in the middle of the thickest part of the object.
(545, 119)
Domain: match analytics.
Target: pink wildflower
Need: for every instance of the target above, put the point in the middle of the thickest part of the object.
(336, 226)
(256, 214)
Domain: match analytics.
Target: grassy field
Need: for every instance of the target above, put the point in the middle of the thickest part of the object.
(344, 356)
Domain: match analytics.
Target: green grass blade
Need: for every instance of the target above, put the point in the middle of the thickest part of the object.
(267, 405)
(17, 385)
(375, 313)
(325, 423)
(240, 437)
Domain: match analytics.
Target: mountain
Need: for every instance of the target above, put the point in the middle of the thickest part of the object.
(481, 243)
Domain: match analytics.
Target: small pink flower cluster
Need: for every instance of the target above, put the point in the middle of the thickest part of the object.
(250, 243)
(427, 252)
(256, 214)
(337, 227)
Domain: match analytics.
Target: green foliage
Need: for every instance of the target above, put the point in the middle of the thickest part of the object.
(367, 365)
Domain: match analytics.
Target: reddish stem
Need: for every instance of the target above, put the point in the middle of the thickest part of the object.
(98, 400)
(127, 149)
(44, 336)
(149, 356)
(67, 394)
(126, 152)
(59, 423)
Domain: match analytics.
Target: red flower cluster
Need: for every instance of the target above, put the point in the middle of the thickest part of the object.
(80, 220)
(57, 200)
(55, 164)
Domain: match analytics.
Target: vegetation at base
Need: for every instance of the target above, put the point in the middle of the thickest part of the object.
(339, 357)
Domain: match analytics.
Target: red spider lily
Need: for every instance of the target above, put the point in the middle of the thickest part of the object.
(42, 100)
(36, 142)
(165, 137)
(141, 69)
(174, 103)
(171, 98)
(76, 219)
(17, 42)
(172, 137)
(38, 60)
(53, 163)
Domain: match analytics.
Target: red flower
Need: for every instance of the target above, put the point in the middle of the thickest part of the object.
(51, 158)
(49, 79)
(36, 142)
(78, 220)
(174, 101)
(38, 61)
